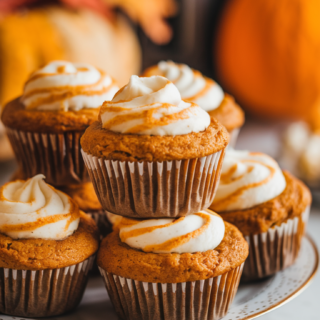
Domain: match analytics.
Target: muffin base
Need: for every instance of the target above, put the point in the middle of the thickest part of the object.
(43, 293)
(155, 189)
(276, 249)
(198, 300)
(56, 155)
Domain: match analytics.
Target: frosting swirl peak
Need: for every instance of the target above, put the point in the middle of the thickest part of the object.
(247, 179)
(192, 85)
(62, 85)
(33, 209)
(152, 106)
(198, 232)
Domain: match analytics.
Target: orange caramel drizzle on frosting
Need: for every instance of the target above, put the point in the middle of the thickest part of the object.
(29, 226)
(197, 74)
(172, 243)
(226, 177)
(65, 92)
(149, 121)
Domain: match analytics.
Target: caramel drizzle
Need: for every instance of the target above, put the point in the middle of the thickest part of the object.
(169, 244)
(66, 92)
(197, 74)
(60, 70)
(30, 226)
(147, 116)
(227, 176)
(235, 195)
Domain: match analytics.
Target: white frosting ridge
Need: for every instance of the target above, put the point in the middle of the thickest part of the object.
(247, 179)
(62, 85)
(152, 106)
(198, 232)
(192, 85)
(33, 209)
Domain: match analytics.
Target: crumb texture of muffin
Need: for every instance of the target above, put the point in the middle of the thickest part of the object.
(38, 254)
(118, 258)
(109, 145)
(16, 116)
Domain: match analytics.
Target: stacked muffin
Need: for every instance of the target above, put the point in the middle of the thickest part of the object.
(46, 123)
(155, 160)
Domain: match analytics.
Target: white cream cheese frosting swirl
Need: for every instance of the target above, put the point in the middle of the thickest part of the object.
(197, 232)
(62, 85)
(247, 179)
(32, 209)
(152, 106)
(191, 84)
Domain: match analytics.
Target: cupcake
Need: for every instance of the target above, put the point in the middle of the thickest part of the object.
(269, 207)
(205, 92)
(152, 154)
(47, 247)
(85, 197)
(187, 268)
(45, 124)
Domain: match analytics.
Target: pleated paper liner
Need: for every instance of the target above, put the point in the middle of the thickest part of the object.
(198, 300)
(155, 189)
(57, 156)
(276, 249)
(43, 293)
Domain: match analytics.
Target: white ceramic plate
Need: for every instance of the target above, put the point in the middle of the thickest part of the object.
(251, 301)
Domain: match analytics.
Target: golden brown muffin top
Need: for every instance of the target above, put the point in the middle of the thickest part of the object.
(110, 145)
(228, 114)
(16, 116)
(38, 254)
(290, 203)
(83, 195)
(118, 258)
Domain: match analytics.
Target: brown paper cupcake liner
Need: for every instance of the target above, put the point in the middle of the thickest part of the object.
(101, 220)
(233, 137)
(43, 293)
(197, 300)
(57, 156)
(274, 250)
(155, 189)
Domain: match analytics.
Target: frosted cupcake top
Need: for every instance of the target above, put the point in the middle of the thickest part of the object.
(247, 179)
(192, 85)
(198, 232)
(32, 209)
(152, 106)
(61, 85)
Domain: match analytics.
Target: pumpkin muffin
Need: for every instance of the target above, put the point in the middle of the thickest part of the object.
(47, 247)
(45, 124)
(205, 92)
(270, 208)
(152, 154)
(85, 197)
(190, 266)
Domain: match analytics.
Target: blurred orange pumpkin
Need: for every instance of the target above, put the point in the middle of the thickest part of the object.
(32, 38)
(267, 54)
